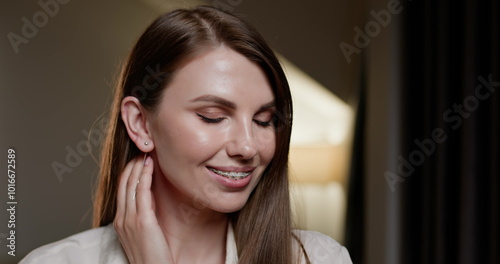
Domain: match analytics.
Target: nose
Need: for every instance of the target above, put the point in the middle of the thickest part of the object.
(242, 143)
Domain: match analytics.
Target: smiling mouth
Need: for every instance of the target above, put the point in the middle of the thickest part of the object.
(233, 175)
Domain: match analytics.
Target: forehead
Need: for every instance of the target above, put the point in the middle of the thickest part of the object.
(221, 72)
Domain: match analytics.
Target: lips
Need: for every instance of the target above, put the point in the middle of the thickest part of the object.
(232, 173)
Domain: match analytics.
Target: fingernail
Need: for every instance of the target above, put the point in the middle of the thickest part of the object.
(148, 161)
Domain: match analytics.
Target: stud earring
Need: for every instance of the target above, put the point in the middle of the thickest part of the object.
(146, 143)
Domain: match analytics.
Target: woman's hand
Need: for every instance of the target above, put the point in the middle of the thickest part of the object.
(135, 221)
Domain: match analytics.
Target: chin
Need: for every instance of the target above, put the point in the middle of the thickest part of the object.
(229, 204)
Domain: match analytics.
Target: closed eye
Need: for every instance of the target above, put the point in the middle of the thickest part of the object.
(262, 123)
(265, 115)
(210, 120)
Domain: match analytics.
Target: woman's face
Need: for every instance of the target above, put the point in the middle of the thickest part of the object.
(213, 131)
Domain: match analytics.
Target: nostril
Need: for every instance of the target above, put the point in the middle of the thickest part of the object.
(243, 149)
(243, 143)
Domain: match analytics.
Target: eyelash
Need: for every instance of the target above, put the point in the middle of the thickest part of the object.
(263, 124)
(218, 120)
(210, 120)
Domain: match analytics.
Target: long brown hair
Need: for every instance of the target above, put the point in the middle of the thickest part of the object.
(263, 226)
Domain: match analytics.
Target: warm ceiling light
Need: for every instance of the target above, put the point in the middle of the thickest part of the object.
(322, 125)
(320, 117)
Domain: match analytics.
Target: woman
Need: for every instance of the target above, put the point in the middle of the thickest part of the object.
(194, 166)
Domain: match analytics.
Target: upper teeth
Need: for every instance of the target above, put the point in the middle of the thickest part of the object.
(232, 174)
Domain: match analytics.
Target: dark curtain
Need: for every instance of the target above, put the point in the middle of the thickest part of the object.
(450, 125)
(449, 145)
(354, 234)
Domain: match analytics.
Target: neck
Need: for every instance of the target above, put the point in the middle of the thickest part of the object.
(195, 234)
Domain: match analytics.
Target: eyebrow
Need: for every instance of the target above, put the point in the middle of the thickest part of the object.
(215, 99)
(266, 106)
(226, 103)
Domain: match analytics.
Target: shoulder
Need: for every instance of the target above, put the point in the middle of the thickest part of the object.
(98, 245)
(321, 248)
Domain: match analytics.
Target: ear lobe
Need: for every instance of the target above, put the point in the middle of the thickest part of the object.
(134, 118)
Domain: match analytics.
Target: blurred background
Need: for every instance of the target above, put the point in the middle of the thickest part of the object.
(394, 149)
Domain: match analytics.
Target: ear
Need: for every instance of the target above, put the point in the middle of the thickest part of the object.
(134, 117)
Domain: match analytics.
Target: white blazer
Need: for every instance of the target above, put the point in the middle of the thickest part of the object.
(101, 245)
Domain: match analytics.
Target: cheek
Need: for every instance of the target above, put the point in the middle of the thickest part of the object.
(188, 139)
(266, 142)
(202, 143)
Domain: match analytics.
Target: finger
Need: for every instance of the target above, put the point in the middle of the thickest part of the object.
(122, 189)
(143, 195)
(130, 206)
